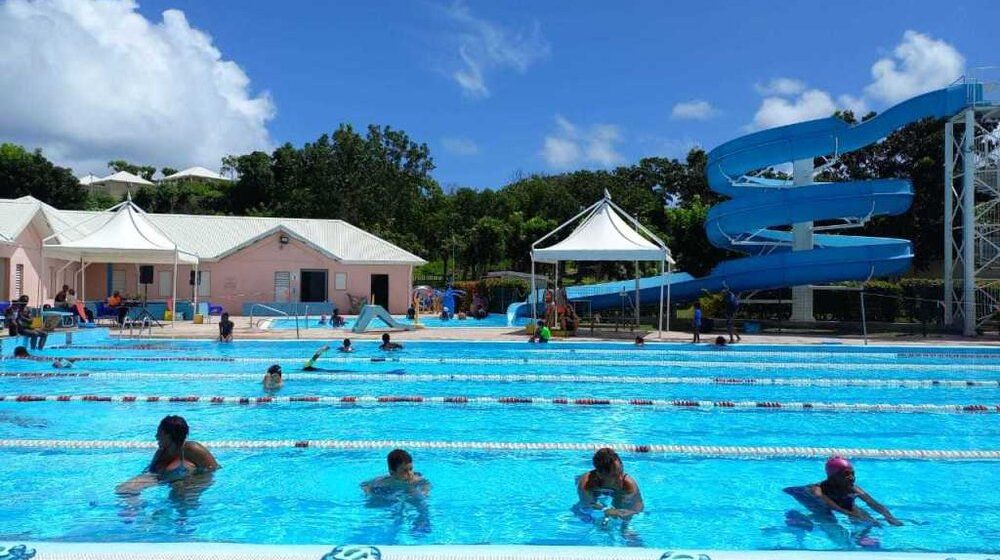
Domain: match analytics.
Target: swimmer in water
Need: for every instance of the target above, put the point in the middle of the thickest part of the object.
(175, 459)
(401, 476)
(608, 479)
(837, 494)
(311, 362)
(21, 353)
(272, 379)
(388, 344)
(346, 346)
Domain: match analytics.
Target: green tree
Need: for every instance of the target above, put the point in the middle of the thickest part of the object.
(144, 171)
(25, 173)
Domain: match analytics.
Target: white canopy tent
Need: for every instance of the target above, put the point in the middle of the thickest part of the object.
(604, 235)
(127, 236)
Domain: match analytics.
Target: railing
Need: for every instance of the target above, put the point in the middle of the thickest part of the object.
(269, 308)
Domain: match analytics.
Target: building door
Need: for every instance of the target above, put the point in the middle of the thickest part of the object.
(282, 286)
(312, 285)
(4, 275)
(380, 290)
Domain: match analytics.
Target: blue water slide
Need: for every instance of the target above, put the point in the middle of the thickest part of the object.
(745, 222)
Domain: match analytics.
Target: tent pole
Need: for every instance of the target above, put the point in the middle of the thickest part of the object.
(555, 298)
(659, 327)
(197, 286)
(533, 296)
(173, 301)
(83, 281)
(636, 295)
(41, 277)
(669, 272)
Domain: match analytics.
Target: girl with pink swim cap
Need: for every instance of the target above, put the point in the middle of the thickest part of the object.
(837, 493)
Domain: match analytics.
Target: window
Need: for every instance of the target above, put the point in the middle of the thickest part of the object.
(118, 281)
(340, 281)
(282, 286)
(205, 288)
(165, 287)
(18, 280)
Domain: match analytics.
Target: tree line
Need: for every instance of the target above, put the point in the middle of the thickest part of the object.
(381, 180)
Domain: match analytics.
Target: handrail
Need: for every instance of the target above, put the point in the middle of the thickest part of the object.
(269, 308)
(307, 315)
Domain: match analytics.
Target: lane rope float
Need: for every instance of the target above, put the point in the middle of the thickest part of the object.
(669, 404)
(663, 449)
(520, 378)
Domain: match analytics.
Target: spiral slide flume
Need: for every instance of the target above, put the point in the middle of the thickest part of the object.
(744, 222)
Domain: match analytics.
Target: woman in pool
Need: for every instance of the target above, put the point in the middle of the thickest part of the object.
(175, 459)
(608, 478)
(837, 494)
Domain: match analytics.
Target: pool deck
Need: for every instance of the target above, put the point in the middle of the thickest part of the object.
(243, 331)
(220, 551)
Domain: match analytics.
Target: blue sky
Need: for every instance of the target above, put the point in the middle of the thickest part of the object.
(497, 88)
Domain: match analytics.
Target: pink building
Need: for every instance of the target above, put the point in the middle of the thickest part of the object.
(280, 262)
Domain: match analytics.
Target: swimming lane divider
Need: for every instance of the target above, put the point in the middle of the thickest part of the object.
(662, 449)
(669, 404)
(518, 378)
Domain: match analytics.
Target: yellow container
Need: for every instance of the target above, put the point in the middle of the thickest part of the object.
(168, 315)
(36, 322)
(199, 318)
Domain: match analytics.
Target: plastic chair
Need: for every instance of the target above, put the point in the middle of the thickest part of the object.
(214, 310)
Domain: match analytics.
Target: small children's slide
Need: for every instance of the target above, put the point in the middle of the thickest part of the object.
(371, 312)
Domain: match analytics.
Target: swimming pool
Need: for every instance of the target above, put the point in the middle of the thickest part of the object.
(493, 321)
(501, 430)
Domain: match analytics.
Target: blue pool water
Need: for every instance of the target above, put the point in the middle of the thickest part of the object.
(311, 495)
(493, 321)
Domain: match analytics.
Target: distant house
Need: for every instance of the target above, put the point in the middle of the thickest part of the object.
(277, 261)
(118, 184)
(114, 185)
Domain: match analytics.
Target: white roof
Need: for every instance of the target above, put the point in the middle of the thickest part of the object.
(88, 179)
(124, 177)
(604, 236)
(214, 237)
(196, 173)
(125, 236)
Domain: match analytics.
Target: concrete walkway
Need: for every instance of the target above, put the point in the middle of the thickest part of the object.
(243, 331)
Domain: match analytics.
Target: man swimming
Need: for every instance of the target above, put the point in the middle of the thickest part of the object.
(346, 346)
(272, 379)
(311, 362)
(401, 476)
(21, 353)
(388, 345)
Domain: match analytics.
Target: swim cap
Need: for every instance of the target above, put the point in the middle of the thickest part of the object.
(836, 464)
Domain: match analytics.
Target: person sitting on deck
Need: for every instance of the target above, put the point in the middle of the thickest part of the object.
(225, 328)
(175, 459)
(60, 298)
(608, 480)
(115, 302)
(272, 379)
(22, 323)
(387, 343)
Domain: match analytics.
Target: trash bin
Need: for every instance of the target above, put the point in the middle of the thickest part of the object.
(199, 318)
(168, 315)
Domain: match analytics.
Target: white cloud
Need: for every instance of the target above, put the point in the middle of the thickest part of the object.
(484, 46)
(919, 64)
(460, 146)
(695, 109)
(89, 81)
(781, 86)
(571, 146)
